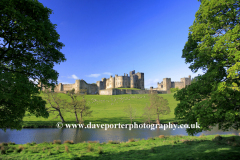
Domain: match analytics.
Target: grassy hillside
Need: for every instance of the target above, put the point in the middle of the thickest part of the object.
(108, 109)
(162, 147)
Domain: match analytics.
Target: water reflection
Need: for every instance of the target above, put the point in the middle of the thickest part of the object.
(40, 135)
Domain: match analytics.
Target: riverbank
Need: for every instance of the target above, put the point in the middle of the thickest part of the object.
(106, 110)
(162, 147)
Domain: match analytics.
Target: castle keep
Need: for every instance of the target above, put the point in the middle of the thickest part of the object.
(131, 81)
(113, 85)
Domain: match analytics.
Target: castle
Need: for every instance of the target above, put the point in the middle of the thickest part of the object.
(113, 85)
(131, 81)
(166, 84)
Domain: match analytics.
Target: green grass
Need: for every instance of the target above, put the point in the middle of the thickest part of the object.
(106, 109)
(162, 147)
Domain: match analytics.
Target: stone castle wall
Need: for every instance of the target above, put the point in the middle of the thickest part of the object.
(134, 80)
(125, 91)
(166, 84)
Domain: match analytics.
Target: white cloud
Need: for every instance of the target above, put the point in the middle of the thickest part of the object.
(73, 77)
(108, 73)
(34, 81)
(94, 75)
(151, 83)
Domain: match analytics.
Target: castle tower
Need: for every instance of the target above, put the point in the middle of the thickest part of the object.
(77, 85)
(166, 84)
(60, 87)
(132, 81)
(104, 83)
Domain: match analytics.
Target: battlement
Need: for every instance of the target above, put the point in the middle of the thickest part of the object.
(133, 80)
(166, 84)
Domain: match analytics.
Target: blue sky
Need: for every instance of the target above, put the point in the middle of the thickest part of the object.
(108, 37)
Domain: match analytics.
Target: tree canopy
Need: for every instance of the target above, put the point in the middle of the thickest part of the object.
(29, 48)
(213, 45)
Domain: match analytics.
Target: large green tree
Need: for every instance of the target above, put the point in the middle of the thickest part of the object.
(29, 48)
(213, 45)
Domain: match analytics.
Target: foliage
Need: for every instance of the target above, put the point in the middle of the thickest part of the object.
(79, 106)
(159, 105)
(29, 48)
(84, 109)
(174, 90)
(131, 112)
(57, 104)
(147, 114)
(194, 80)
(213, 46)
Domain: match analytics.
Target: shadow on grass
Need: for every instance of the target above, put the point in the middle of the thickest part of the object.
(201, 150)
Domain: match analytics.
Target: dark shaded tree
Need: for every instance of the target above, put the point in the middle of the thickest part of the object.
(29, 48)
(214, 46)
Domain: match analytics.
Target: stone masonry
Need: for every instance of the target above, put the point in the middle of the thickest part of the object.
(108, 86)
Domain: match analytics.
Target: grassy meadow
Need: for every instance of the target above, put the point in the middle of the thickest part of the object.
(107, 109)
(162, 147)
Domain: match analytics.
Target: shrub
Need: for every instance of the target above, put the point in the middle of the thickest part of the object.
(93, 141)
(231, 139)
(217, 138)
(2, 150)
(113, 142)
(66, 149)
(131, 140)
(57, 148)
(11, 143)
(90, 148)
(49, 152)
(20, 149)
(174, 90)
(57, 142)
(161, 136)
(69, 142)
(3, 144)
(100, 150)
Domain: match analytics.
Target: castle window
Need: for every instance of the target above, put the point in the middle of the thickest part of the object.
(161, 86)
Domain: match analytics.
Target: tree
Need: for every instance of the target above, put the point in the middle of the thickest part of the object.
(174, 89)
(75, 104)
(159, 105)
(213, 45)
(79, 106)
(29, 48)
(194, 80)
(147, 113)
(84, 109)
(131, 112)
(56, 103)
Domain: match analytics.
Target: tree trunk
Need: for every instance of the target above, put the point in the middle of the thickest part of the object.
(77, 121)
(158, 121)
(81, 118)
(61, 116)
